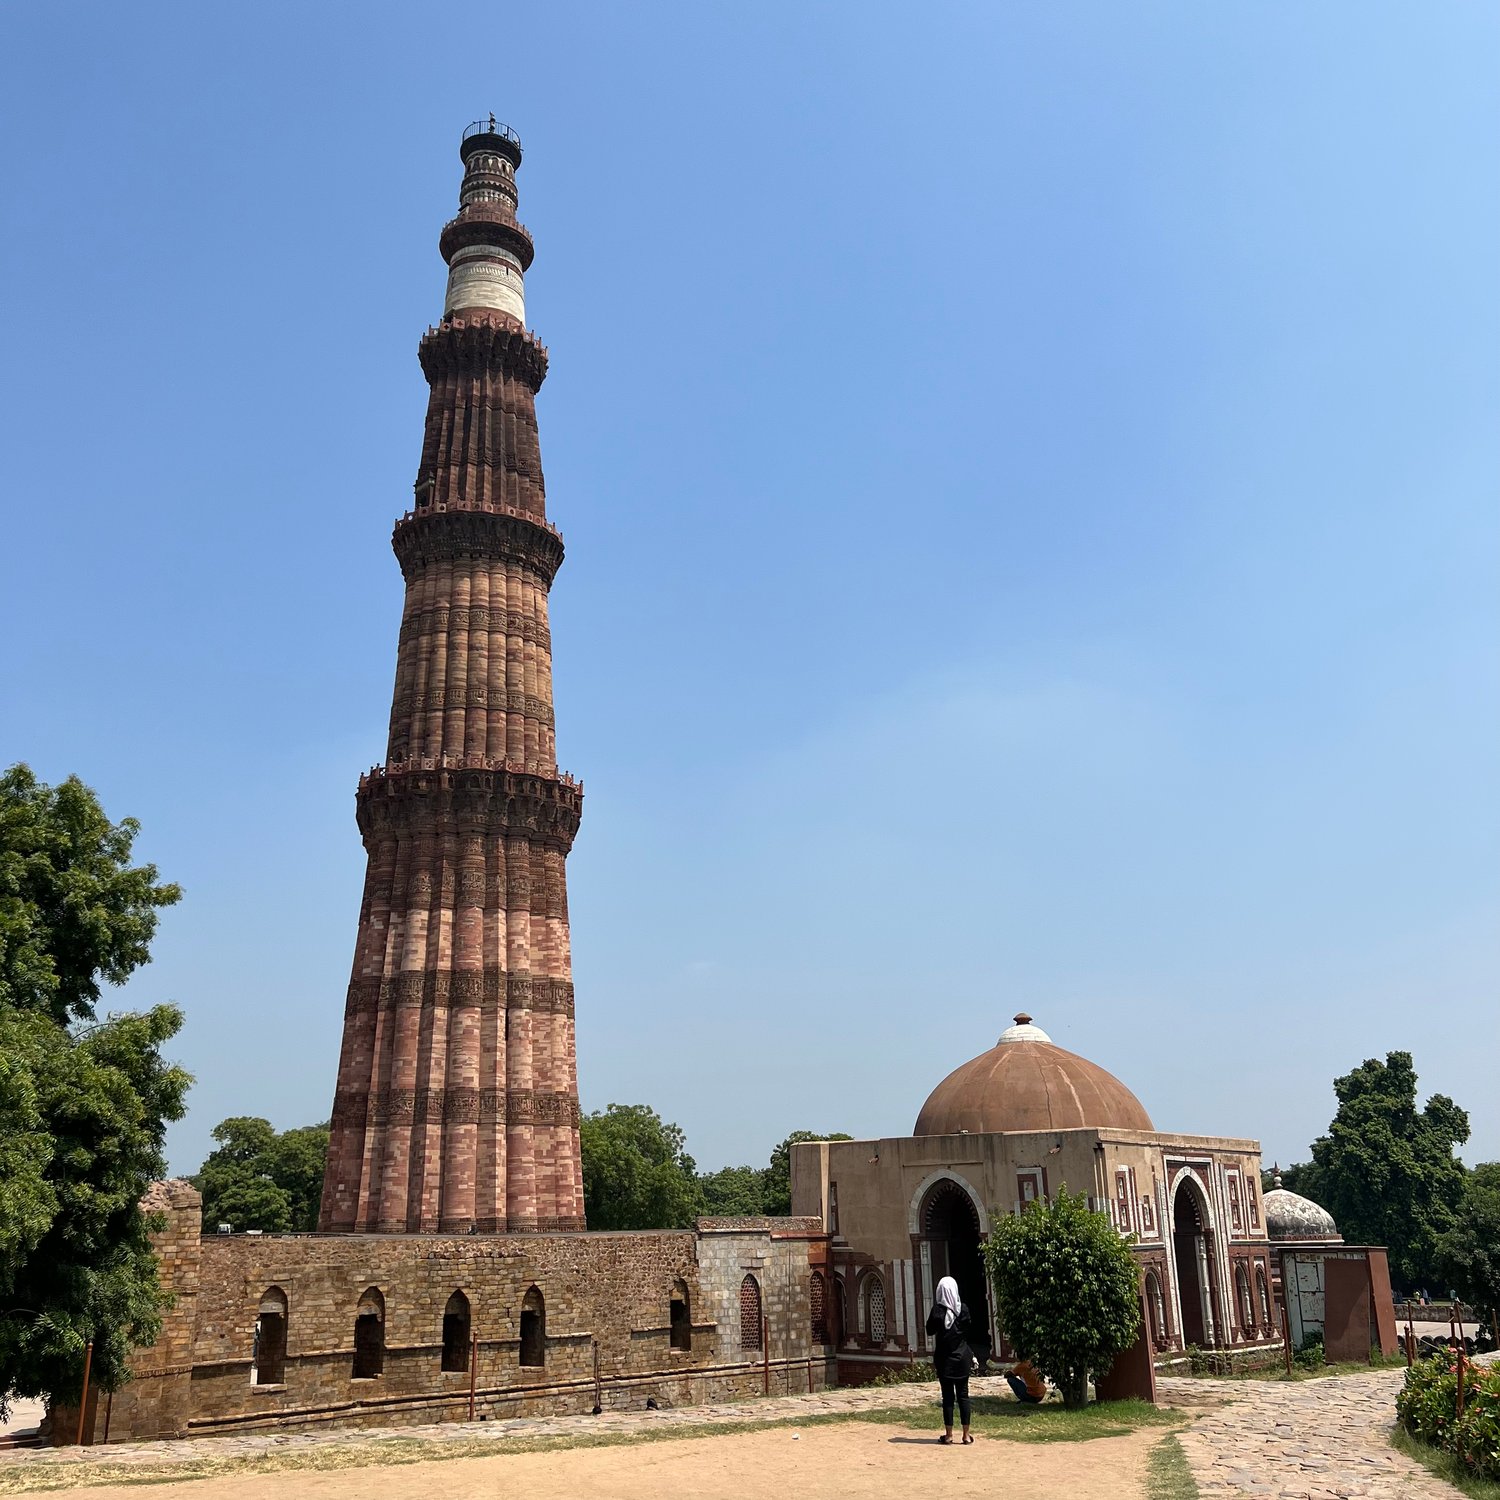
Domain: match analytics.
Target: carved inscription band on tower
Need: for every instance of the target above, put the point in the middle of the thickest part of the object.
(457, 1101)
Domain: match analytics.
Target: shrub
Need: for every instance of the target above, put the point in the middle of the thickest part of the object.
(1067, 1290)
(1427, 1407)
(1310, 1355)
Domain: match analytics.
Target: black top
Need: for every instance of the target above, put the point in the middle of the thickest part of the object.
(951, 1355)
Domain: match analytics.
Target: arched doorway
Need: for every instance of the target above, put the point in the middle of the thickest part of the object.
(1192, 1236)
(950, 1226)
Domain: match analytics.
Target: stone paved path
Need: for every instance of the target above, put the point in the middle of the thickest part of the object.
(1311, 1440)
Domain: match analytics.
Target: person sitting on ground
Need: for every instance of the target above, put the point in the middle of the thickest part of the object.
(950, 1326)
(1026, 1381)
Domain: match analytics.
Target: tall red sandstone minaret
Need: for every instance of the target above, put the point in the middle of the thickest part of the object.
(457, 1099)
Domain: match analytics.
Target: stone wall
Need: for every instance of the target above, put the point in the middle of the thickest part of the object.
(605, 1299)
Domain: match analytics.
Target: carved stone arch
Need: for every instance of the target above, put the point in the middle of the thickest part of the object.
(1205, 1200)
(918, 1202)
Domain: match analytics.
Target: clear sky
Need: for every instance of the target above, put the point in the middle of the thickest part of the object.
(1030, 475)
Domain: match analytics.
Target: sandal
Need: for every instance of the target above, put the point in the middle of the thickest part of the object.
(947, 1437)
(968, 1437)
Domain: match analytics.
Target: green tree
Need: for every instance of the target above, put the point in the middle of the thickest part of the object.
(78, 1252)
(636, 1171)
(83, 1107)
(257, 1179)
(1067, 1290)
(73, 910)
(734, 1192)
(1386, 1170)
(1469, 1252)
(778, 1181)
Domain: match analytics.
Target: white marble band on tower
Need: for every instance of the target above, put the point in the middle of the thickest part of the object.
(486, 276)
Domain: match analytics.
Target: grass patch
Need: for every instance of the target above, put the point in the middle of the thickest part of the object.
(993, 1417)
(1168, 1476)
(1445, 1465)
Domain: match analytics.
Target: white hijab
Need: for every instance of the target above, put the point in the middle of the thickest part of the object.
(947, 1299)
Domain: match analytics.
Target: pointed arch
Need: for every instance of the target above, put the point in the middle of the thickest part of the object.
(817, 1309)
(268, 1352)
(369, 1335)
(680, 1316)
(533, 1327)
(750, 1314)
(456, 1334)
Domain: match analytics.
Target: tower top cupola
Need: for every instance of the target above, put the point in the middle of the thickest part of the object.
(487, 248)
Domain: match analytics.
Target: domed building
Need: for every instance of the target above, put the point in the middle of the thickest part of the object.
(1003, 1131)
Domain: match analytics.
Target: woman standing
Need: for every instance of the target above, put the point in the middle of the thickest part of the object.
(949, 1325)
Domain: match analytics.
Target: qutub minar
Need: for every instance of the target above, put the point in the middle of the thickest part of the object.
(456, 1108)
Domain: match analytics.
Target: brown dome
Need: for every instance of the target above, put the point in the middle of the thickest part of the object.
(1025, 1082)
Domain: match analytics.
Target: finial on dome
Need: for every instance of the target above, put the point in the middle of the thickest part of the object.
(1024, 1030)
(1275, 1175)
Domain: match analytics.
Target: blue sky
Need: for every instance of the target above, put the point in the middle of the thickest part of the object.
(1030, 476)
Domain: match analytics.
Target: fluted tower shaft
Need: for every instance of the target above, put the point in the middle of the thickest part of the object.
(456, 1108)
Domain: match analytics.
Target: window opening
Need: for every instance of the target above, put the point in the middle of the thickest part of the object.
(817, 1313)
(369, 1336)
(875, 1308)
(749, 1313)
(533, 1328)
(681, 1316)
(456, 1334)
(268, 1354)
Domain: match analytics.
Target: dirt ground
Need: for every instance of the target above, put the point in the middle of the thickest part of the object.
(848, 1460)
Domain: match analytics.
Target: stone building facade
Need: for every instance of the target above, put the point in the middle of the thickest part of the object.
(389, 1330)
(456, 1106)
(1007, 1130)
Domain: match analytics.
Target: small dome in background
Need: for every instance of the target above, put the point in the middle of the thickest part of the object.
(1027, 1082)
(1290, 1216)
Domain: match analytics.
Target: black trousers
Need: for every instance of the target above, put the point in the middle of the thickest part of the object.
(950, 1389)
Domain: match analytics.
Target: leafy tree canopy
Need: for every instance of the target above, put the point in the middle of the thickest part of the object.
(636, 1171)
(73, 910)
(1469, 1252)
(76, 1251)
(1067, 1290)
(734, 1192)
(257, 1179)
(83, 1111)
(1386, 1170)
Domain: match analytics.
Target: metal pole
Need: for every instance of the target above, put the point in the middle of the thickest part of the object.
(1286, 1332)
(473, 1370)
(765, 1354)
(83, 1404)
(1411, 1339)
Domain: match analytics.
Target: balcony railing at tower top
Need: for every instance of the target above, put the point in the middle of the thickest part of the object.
(487, 507)
(546, 771)
(491, 126)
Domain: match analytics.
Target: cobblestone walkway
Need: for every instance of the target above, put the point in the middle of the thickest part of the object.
(1312, 1440)
(728, 1413)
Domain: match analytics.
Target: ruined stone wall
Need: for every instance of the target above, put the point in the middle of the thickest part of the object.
(606, 1300)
